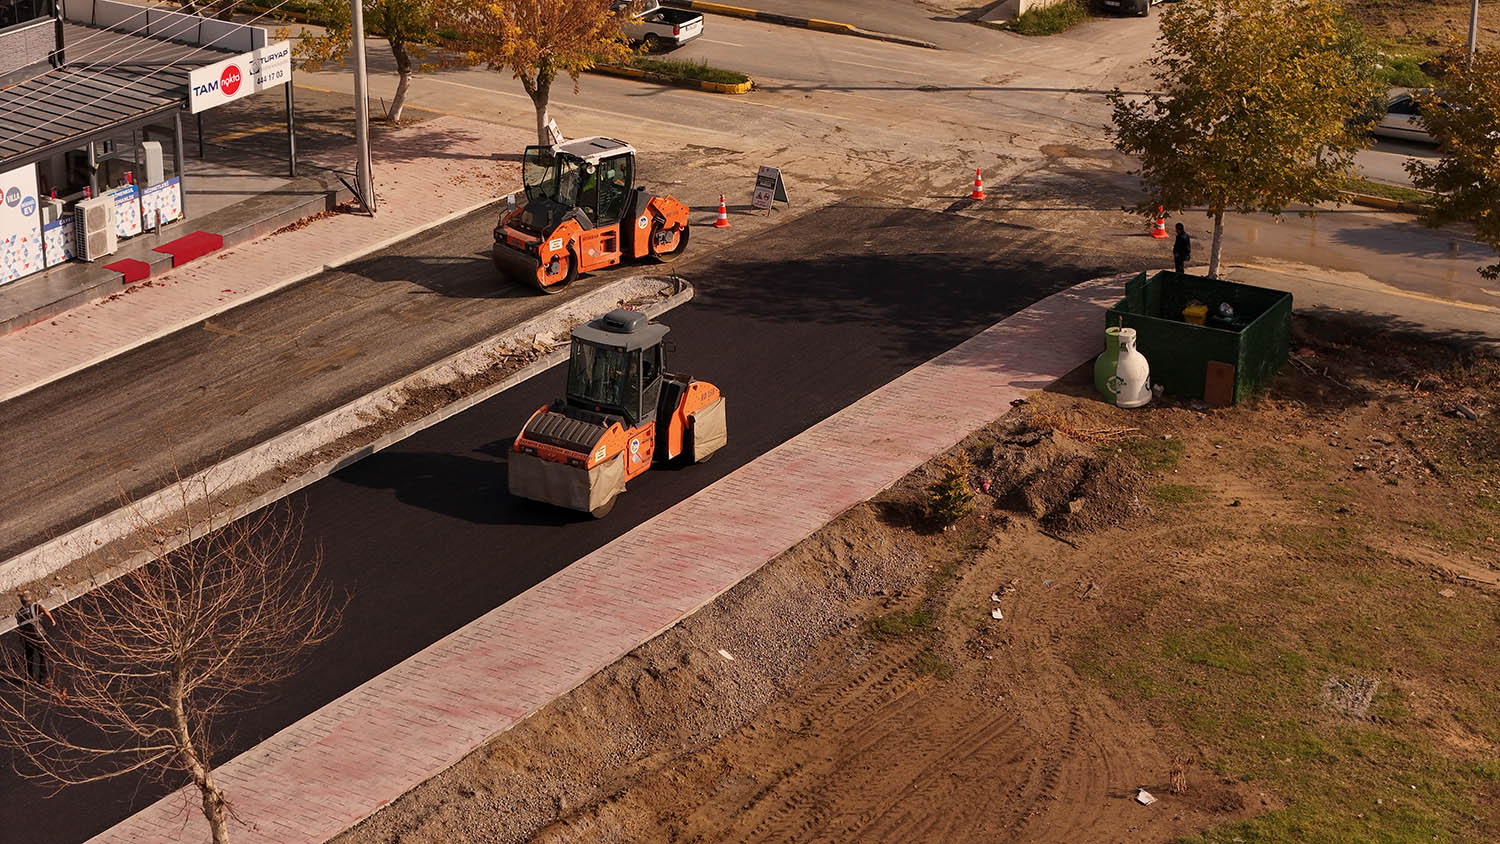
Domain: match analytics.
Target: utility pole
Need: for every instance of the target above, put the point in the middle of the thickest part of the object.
(362, 109)
(1473, 28)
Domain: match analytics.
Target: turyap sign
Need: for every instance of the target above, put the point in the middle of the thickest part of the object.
(245, 74)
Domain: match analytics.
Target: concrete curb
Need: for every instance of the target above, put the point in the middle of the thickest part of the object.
(309, 438)
(1384, 203)
(635, 73)
(803, 23)
(282, 284)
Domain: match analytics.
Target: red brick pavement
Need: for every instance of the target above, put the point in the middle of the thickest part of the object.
(340, 764)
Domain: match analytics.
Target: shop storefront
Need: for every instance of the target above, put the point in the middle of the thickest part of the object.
(91, 151)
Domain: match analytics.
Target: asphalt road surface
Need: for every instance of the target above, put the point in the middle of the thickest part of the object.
(241, 377)
(793, 326)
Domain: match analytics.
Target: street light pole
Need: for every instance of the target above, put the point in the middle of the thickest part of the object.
(361, 109)
(1473, 28)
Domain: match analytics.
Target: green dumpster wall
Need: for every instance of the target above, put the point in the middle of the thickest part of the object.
(1179, 351)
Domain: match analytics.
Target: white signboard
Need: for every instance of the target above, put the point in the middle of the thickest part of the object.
(20, 224)
(768, 188)
(241, 76)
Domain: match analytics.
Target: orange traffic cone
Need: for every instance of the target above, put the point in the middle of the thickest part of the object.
(978, 193)
(1159, 227)
(723, 221)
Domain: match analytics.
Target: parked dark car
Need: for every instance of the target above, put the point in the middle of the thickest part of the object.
(1129, 7)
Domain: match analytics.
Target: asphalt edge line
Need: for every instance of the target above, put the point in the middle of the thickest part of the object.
(665, 79)
(835, 27)
(274, 287)
(338, 422)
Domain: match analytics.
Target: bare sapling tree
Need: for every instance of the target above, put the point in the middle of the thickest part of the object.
(144, 669)
(538, 39)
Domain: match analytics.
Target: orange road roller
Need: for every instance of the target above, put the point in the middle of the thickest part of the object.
(583, 213)
(579, 451)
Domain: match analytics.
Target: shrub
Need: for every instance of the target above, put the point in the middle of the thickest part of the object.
(951, 498)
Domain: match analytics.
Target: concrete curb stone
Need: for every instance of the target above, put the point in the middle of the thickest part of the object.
(664, 79)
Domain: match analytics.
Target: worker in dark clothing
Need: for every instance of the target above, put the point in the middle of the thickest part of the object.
(33, 636)
(1182, 249)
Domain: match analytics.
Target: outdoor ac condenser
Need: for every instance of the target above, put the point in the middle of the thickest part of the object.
(94, 228)
(150, 160)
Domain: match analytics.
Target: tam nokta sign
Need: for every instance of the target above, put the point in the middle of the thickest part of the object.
(245, 74)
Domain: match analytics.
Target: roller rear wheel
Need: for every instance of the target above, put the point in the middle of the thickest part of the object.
(559, 272)
(667, 245)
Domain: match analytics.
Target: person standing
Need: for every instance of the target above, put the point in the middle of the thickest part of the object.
(1182, 249)
(33, 636)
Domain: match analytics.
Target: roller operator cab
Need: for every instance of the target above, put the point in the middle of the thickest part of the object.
(582, 212)
(622, 412)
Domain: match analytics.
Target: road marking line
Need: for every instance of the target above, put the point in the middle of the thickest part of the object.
(876, 66)
(235, 136)
(635, 117)
(1389, 290)
(725, 43)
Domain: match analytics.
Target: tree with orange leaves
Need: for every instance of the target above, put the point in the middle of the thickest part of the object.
(538, 39)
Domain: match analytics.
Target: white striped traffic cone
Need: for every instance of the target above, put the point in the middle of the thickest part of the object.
(723, 221)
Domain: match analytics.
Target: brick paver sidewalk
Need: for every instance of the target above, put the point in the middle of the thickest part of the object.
(424, 175)
(358, 753)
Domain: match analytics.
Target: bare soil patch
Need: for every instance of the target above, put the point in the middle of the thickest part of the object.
(1277, 619)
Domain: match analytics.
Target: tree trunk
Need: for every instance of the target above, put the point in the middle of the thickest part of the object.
(215, 805)
(1218, 244)
(541, 93)
(403, 76)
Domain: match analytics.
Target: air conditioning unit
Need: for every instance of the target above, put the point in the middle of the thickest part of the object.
(150, 158)
(94, 228)
(52, 210)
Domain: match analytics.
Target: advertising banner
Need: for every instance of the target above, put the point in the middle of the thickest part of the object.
(245, 74)
(20, 224)
(162, 198)
(127, 210)
(57, 236)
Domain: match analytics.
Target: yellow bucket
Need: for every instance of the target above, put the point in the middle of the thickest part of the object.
(1195, 314)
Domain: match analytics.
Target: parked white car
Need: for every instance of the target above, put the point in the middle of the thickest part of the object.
(1402, 120)
(658, 28)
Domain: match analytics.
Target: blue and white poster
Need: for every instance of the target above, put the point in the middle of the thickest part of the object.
(20, 224)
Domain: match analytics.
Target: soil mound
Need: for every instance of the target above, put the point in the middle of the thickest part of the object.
(1062, 483)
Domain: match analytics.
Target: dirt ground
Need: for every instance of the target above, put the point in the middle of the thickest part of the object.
(1279, 619)
(1429, 23)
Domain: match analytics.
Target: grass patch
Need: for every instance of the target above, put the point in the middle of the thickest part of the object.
(1243, 677)
(1395, 192)
(1404, 72)
(897, 625)
(1049, 20)
(928, 663)
(1155, 455)
(1179, 493)
(686, 69)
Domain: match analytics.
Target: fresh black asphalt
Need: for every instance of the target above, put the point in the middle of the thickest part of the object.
(793, 325)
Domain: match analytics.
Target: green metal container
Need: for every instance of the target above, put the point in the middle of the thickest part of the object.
(1255, 342)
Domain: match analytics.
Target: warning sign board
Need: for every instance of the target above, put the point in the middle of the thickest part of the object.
(769, 188)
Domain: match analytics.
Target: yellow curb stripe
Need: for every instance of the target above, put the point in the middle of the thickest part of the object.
(721, 9)
(829, 26)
